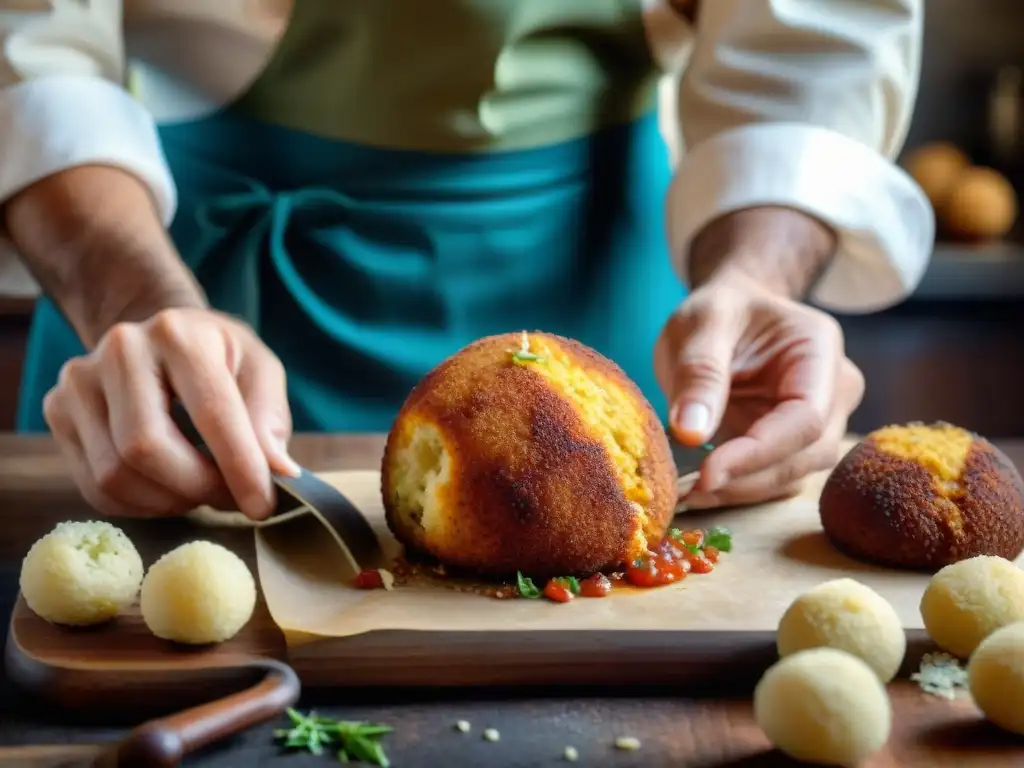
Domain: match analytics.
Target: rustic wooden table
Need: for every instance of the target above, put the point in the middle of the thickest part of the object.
(535, 725)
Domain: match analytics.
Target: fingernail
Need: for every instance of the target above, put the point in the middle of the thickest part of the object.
(693, 421)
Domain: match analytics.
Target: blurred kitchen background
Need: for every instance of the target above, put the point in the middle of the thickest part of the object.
(955, 350)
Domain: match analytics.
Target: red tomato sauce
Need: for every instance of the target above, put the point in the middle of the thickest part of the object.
(679, 554)
(370, 579)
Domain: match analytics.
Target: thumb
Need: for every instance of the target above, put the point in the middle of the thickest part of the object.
(262, 382)
(701, 380)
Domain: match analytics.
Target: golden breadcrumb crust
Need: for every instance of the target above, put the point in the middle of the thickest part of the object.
(530, 488)
(895, 511)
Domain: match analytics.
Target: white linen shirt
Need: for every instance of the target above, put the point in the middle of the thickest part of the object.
(799, 103)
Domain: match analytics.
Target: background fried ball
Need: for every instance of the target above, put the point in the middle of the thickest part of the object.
(980, 205)
(923, 496)
(936, 167)
(499, 463)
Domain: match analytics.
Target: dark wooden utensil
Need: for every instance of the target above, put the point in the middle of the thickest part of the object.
(164, 742)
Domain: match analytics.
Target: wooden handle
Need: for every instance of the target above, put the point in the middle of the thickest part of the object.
(163, 743)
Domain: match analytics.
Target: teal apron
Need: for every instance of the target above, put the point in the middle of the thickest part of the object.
(362, 267)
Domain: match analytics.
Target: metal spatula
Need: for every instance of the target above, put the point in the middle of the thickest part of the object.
(688, 460)
(308, 490)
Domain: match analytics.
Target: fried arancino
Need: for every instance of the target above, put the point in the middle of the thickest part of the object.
(530, 453)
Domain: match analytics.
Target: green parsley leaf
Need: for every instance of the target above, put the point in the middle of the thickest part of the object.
(719, 538)
(526, 587)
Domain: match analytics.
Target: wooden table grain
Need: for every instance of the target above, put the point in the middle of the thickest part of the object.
(535, 725)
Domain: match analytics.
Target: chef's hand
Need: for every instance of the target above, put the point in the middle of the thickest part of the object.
(110, 415)
(763, 375)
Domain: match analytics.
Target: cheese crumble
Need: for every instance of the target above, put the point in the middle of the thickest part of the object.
(940, 675)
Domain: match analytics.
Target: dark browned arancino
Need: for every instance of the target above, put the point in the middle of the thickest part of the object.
(885, 510)
(531, 490)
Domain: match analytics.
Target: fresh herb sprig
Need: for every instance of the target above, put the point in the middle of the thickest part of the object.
(353, 740)
(526, 587)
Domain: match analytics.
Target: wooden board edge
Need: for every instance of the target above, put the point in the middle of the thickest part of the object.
(126, 691)
(683, 660)
(687, 661)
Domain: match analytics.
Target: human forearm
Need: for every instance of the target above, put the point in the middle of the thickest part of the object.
(93, 239)
(802, 107)
(780, 248)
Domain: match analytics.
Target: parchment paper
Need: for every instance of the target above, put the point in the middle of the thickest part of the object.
(778, 552)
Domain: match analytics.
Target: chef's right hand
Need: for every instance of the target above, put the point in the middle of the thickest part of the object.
(110, 415)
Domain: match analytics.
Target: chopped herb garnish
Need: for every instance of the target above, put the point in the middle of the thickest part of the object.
(353, 740)
(719, 538)
(526, 587)
(523, 354)
(675, 533)
(520, 356)
(569, 582)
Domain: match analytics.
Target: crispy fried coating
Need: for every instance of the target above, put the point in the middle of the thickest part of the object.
(528, 453)
(921, 497)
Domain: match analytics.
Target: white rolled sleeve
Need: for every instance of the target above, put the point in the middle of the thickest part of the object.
(62, 100)
(804, 104)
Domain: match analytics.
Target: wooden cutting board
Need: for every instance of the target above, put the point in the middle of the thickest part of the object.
(721, 629)
(429, 634)
(339, 636)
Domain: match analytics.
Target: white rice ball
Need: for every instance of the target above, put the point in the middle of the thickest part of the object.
(81, 573)
(198, 593)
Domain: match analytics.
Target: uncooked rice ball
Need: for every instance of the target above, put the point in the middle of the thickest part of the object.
(198, 593)
(81, 573)
(823, 706)
(996, 677)
(850, 616)
(967, 601)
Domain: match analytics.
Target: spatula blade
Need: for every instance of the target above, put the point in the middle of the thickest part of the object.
(688, 460)
(308, 490)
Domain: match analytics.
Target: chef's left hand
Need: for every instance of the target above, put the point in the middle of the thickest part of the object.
(766, 378)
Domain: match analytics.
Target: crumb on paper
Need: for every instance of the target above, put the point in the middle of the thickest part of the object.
(940, 675)
(627, 743)
(387, 579)
(491, 734)
(463, 726)
(571, 754)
